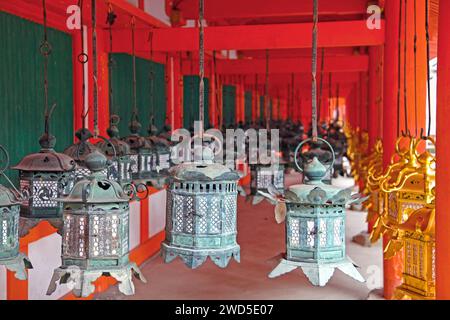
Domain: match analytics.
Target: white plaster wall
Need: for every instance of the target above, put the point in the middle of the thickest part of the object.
(46, 256)
(157, 212)
(135, 224)
(2, 283)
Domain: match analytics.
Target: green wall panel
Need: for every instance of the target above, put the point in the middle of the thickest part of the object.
(229, 105)
(248, 106)
(122, 84)
(21, 87)
(191, 88)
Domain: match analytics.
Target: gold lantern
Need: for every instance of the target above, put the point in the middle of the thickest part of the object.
(418, 240)
(410, 190)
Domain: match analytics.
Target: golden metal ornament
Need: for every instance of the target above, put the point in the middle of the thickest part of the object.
(418, 240)
(408, 190)
(374, 167)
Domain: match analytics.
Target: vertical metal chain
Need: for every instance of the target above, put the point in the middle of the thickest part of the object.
(321, 84)
(152, 80)
(45, 50)
(133, 50)
(314, 70)
(110, 20)
(330, 93)
(292, 94)
(266, 93)
(337, 102)
(202, 66)
(427, 34)
(95, 66)
(216, 85)
(82, 58)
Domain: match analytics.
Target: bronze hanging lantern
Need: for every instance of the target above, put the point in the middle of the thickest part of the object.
(47, 175)
(10, 200)
(96, 233)
(201, 201)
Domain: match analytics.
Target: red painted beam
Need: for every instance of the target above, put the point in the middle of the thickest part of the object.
(232, 9)
(293, 65)
(269, 36)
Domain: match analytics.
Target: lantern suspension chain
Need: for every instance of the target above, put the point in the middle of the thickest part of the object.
(216, 86)
(314, 70)
(405, 104)
(398, 66)
(330, 93)
(337, 102)
(202, 66)
(133, 49)
(427, 35)
(83, 59)
(266, 93)
(321, 84)
(110, 21)
(95, 66)
(191, 84)
(152, 80)
(46, 49)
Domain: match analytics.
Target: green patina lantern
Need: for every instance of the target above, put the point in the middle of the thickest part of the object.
(201, 213)
(315, 225)
(96, 233)
(45, 176)
(118, 152)
(10, 200)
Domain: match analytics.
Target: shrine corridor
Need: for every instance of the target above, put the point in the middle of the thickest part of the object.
(261, 240)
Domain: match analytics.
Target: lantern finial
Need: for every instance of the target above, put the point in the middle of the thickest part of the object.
(96, 161)
(314, 171)
(47, 141)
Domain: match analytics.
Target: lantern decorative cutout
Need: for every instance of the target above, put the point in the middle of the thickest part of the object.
(80, 150)
(418, 241)
(10, 200)
(46, 176)
(201, 213)
(95, 233)
(118, 153)
(315, 225)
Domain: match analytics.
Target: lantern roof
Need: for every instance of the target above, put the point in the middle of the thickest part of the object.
(81, 149)
(47, 160)
(96, 188)
(203, 170)
(121, 147)
(137, 142)
(7, 197)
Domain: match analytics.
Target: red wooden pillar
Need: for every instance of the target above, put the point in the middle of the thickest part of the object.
(364, 81)
(443, 158)
(392, 276)
(372, 112)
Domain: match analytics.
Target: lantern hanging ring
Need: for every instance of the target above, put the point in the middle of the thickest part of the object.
(299, 167)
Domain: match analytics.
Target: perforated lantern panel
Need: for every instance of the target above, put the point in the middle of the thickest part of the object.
(97, 236)
(44, 189)
(9, 236)
(201, 222)
(315, 233)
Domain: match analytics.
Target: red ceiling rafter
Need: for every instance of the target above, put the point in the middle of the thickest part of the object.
(261, 37)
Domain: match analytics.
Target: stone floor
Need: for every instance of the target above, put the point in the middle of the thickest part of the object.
(262, 241)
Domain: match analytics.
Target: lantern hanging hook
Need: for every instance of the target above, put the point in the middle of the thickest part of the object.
(201, 66)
